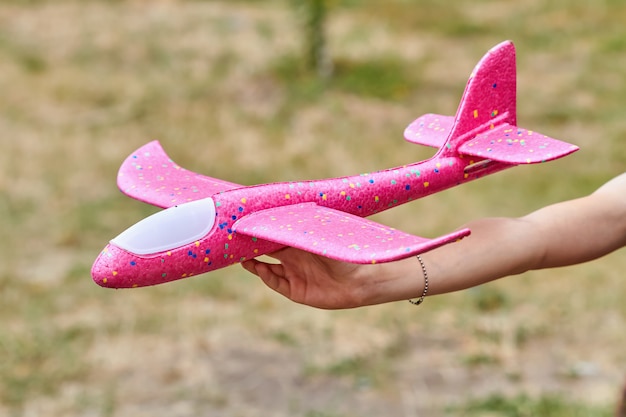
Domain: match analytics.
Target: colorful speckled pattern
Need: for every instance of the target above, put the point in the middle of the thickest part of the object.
(327, 216)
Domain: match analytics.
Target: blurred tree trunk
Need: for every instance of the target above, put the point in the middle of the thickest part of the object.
(313, 15)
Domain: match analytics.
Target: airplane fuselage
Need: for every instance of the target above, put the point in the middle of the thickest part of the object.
(361, 195)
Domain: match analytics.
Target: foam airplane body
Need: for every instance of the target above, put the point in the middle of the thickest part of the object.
(210, 224)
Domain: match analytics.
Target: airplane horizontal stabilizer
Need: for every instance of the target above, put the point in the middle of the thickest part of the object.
(429, 130)
(336, 234)
(149, 175)
(513, 145)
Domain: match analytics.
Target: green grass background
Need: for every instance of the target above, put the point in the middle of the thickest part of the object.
(221, 84)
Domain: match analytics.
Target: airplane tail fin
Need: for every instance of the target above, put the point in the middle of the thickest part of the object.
(485, 123)
(489, 97)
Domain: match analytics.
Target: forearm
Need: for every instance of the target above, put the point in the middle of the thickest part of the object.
(493, 250)
(583, 229)
(497, 247)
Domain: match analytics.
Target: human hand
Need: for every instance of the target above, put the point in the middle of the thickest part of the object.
(325, 283)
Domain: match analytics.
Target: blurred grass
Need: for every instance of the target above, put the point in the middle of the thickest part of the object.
(522, 405)
(83, 83)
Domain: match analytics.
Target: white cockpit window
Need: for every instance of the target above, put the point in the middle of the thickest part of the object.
(169, 229)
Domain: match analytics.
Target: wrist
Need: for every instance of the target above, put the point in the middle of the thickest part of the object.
(393, 281)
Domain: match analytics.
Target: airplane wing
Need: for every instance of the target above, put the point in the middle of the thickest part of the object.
(149, 175)
(336, 234)
(514, 145)
(430, 130)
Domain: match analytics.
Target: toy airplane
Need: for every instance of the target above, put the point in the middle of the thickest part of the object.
(210, 224)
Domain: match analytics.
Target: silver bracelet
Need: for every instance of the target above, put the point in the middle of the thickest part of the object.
(421, 299)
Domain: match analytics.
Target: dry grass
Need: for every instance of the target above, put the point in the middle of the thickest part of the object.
(83, 83)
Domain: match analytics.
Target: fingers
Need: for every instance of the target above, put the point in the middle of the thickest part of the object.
(273, 275)
(249, 266)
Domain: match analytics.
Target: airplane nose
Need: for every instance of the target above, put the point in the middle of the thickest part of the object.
(142, 254)
(103, 270)
(115, 268)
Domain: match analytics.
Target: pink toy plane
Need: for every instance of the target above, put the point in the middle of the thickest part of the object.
(209, 224)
